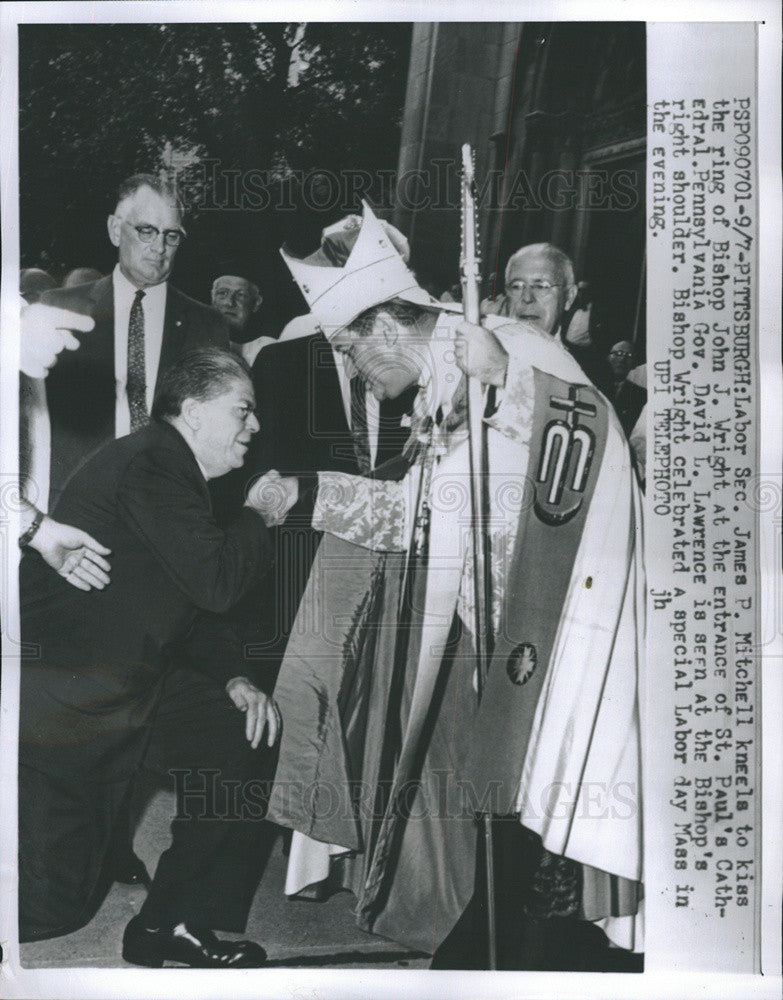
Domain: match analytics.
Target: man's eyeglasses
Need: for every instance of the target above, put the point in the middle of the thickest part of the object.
(149, 234)
(538, 288)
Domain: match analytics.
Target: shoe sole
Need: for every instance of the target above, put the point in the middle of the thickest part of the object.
(149, 959)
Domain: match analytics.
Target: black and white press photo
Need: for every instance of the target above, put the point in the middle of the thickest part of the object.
(389, 500)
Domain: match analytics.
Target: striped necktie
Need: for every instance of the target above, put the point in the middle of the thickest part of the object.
(137, 373)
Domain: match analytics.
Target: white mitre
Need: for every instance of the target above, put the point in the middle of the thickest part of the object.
(370, 270)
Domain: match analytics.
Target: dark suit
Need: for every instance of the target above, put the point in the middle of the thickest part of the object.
(80, 389)
(628, 400)
(300, 403)
(100, 696)
(304, 430)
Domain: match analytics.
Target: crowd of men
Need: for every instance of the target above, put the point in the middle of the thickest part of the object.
(229, 537)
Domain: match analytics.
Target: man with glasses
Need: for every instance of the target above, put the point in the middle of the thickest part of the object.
(541, 290)
(142, 324)
(540, 286)
(102, 388)
(627, 394)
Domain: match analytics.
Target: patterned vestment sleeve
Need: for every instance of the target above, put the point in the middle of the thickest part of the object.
(371, 513)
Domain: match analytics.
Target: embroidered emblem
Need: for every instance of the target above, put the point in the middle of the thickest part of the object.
(566, 454)
(522, 663)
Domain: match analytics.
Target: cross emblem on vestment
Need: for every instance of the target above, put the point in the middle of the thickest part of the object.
(573, 406)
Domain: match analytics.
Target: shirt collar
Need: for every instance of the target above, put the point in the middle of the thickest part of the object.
(155, 295)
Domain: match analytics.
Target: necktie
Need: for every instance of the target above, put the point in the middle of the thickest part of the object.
(137, 374)
(359, 431)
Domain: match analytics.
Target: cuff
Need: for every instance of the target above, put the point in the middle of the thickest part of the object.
(514, 416)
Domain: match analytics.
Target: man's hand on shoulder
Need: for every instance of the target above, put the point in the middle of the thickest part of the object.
(74, 554)
(480, 354)
(45, 331)
(261, 711)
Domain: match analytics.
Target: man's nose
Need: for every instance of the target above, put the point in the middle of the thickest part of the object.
(527, 292)
(253, 424)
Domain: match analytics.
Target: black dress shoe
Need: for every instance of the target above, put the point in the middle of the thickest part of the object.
(129, 869)
(316, 892)
(199, 949)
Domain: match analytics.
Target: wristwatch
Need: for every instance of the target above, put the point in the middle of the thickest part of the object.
(26, 537)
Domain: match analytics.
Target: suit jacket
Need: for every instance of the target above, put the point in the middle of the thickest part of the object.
(88, 694)
(628, 399)
(80, 389)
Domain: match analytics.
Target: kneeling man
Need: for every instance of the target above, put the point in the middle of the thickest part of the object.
(146, 672)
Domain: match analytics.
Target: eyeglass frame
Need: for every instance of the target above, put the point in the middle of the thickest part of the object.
(542, 288)
(165, 233)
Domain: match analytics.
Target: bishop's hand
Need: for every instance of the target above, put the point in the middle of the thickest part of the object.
(480, 354)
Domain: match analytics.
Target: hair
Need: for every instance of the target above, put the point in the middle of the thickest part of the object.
(165, 188)
(202, 375)
(404, 313)
(561, 259)
(33, 282)
(80, 276)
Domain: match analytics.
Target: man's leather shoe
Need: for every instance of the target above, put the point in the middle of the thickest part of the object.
(316, 892)
(129, 869)
(197, 948)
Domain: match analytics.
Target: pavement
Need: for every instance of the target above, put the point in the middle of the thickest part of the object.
(296, 934)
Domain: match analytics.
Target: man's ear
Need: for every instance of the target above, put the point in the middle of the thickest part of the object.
(570, 296)
(113, 224)
(190, 412)
(386, 326)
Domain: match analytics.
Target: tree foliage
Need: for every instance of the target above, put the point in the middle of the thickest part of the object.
(214, 102)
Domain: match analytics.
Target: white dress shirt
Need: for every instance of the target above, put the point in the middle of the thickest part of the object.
(154, 307)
